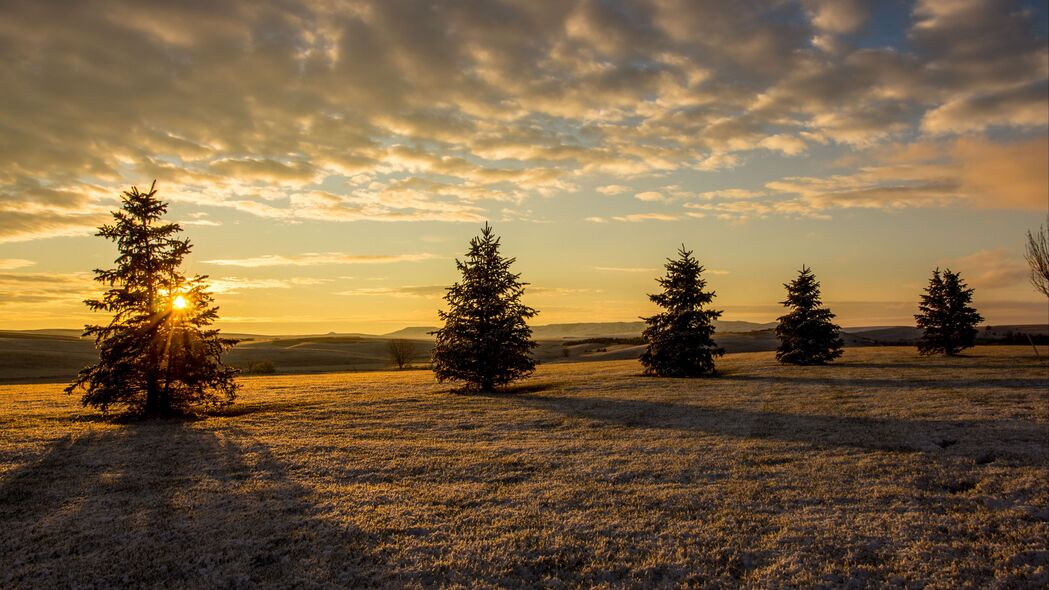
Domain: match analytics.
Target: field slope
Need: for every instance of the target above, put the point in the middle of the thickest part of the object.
(885, 469)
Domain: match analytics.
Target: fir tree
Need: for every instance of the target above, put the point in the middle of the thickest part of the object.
(158, 354)
(806, 334)
(485, 341)
(948, 321)
(680, 339)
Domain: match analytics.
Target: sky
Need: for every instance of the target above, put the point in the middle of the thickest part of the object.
(330, 159)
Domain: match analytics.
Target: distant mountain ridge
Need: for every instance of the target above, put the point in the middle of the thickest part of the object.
(584, 330)
(56, 355)
(588, 330)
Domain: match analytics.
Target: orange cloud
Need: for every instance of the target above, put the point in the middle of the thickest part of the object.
(1012, 175)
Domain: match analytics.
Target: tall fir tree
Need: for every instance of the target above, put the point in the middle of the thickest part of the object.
(485, 341)
(945, 316)
(681, 339)
(806, 333)
(158, 354)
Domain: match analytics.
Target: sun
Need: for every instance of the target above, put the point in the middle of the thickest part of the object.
(179, 302)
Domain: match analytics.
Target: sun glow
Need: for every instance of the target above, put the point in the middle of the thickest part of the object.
(179, 302)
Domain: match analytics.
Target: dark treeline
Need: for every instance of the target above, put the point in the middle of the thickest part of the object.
(160, 355)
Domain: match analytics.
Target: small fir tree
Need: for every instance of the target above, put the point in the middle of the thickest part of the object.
(806, 334)
(157, 355)
(948, 321)
(680, 339)
(485, 341)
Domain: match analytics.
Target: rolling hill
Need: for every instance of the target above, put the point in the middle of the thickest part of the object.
(57, 355)
(587, 330)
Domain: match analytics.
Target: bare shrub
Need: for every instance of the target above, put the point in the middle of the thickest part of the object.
(1037, 256)
(402, 352)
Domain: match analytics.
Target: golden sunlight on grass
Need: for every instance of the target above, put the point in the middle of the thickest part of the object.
(885, 468)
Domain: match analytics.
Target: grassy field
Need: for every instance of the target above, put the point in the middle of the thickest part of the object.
(885, 469)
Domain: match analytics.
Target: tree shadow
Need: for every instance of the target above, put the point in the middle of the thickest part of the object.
(1019, 442)
(164, 503)
(920, 364)
(514, 389)
(257, 407)
(862, 383)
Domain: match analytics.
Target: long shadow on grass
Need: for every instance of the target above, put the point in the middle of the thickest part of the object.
(170, 504)
(984, 441)
(963, 364)
(860, 383)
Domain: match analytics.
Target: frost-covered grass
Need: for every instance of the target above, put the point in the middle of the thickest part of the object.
(884, 469)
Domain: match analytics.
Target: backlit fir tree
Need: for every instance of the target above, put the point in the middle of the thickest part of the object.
(485, 341)
(806, 334)
(681, 339)
(948, 321)
(157, 355)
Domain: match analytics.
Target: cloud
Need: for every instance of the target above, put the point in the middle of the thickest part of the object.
(744, 210)
(624, 269)
(313, 111)
(719, 161)
(31, 209)
(612, 189)
(650, 196)
(533, 290)
(929, 174)
(1010, 175)
(14, 263)
(733, 194)
(991, 269)
(233, 285)
(639, 217)
(634, 218)
(423, 291)
(1024, 106)
(32, 292)
(319, 259)
(264, 169)
(838, 16)
(786, 144)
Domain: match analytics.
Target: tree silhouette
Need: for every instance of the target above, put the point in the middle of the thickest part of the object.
(1037, 255)
(401, 352)
(157, 355)
(806, 334)
(680, 339)
(948, 321)
(485, 341)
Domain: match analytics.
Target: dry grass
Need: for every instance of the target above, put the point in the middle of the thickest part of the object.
(885, 469)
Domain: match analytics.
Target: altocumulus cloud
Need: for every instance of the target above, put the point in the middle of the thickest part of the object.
(444, 111)
(424, 291)
(233, 285)
(319, 259)
(14, 263)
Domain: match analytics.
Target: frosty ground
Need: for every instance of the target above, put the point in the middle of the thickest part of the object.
(883, 469)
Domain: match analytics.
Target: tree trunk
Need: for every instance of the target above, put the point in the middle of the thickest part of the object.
(157, 402)
(154, 406)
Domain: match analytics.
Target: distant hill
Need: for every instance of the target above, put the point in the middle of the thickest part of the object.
(1016, 334)
(47, 332)
(412, 333)
(586, 330)
(56, 355)
(885, 334)
(43, 355)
